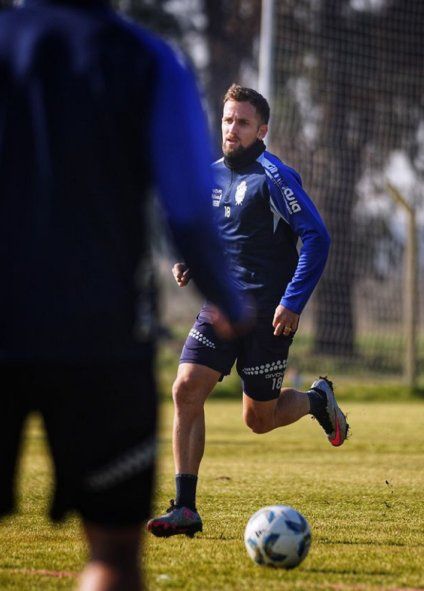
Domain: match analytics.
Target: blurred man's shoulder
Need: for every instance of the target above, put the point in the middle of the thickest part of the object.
(149, 40)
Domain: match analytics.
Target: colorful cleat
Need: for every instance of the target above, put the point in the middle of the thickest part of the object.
(176, 521)
(334, 417)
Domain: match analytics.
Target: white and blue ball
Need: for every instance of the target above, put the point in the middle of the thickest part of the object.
(277, 536)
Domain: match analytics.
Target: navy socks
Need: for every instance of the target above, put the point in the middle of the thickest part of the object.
(186, 490)
(318, 403)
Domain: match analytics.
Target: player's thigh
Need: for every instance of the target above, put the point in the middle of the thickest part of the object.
(203, 347)
(259, 416)
(101, 423)
(256, 412)
(262, 363)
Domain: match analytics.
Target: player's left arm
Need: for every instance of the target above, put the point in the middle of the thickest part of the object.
(180, 164)
(295, 206)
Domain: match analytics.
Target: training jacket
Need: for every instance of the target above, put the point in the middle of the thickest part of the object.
(262, 210)
(94, 111)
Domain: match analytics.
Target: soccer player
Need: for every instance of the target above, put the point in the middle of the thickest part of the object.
(262, 210)
(93, 112)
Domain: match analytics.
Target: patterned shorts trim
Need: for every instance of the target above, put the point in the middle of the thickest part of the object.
(195, 334)
(275, 366)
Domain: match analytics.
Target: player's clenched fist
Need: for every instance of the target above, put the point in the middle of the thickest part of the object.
(285, 321)
(181, 274)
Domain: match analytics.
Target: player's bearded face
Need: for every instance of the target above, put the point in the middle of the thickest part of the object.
(241, 127)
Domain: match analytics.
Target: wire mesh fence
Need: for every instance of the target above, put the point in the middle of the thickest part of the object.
(348, 88)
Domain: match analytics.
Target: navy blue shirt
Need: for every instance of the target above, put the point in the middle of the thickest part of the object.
(93, 111)
(262, 210)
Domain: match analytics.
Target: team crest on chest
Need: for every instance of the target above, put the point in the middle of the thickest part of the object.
(241, 192)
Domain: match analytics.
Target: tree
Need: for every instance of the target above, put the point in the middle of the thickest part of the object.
(152, 14)
(231, 31)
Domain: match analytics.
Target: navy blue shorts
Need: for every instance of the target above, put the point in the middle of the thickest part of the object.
(261, 357)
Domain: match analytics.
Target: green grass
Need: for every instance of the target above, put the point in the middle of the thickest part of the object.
(28, 543)
(364, 503)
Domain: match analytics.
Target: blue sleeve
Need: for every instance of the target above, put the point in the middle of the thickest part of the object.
(291, 202)
(182, 173)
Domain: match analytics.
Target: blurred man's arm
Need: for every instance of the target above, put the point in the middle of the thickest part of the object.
(181, 164)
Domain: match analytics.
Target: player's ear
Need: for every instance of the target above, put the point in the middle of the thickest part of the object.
(262, 131)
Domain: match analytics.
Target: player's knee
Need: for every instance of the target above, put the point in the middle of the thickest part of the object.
(185, 393)
(257, 423)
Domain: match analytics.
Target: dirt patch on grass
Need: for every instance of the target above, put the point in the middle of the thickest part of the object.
(58, 574)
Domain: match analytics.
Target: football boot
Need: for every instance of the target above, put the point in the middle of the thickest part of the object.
(331, 419)
(176, 521)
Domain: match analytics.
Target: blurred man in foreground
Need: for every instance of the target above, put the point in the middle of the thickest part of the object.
(93, 111)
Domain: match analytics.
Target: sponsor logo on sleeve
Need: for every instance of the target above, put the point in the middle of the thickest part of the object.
(216, 197)
(291, 199)
(289, 196)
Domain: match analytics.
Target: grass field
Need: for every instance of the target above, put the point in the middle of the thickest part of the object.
(364, 503)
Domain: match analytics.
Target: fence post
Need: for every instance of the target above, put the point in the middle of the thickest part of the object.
(266, 45)
(410, 307)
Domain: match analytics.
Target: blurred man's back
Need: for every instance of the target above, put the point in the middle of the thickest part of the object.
(93, 110)
(75, 112)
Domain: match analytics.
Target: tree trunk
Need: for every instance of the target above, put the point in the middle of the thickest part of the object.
(230, 33)
(334, 313)
(334, 318)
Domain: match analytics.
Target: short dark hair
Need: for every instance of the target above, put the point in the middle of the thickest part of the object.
(242, 94)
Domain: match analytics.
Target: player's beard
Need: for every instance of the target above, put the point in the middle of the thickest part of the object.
(233, 152)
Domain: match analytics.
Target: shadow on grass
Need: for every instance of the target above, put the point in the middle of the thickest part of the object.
(370, 543)
(333, 571)
(212, 442)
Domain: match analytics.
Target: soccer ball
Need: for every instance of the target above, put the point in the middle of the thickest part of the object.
(277, 536)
